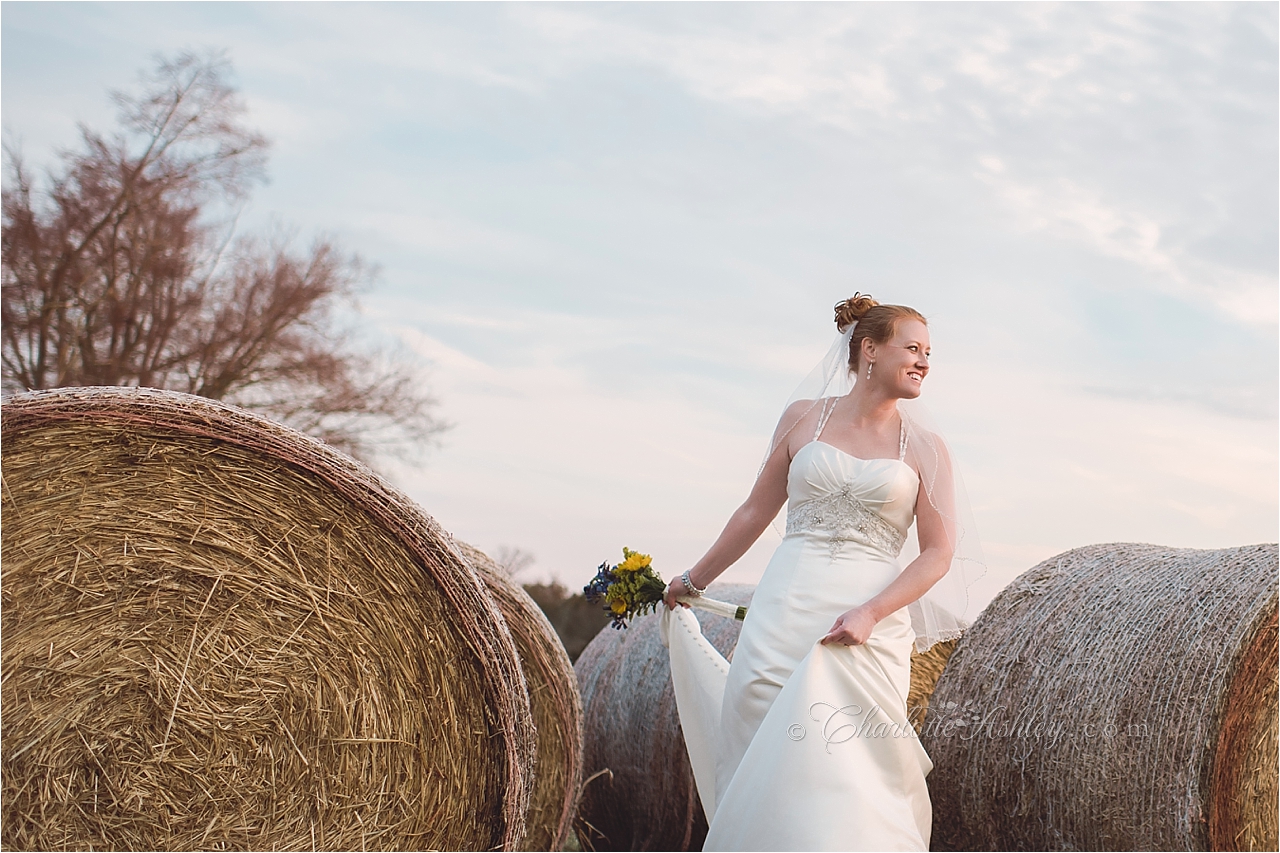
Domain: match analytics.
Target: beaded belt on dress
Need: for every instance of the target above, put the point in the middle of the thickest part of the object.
(848, 520)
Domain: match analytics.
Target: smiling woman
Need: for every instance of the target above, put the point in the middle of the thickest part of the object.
(835, 617)
(878, 324)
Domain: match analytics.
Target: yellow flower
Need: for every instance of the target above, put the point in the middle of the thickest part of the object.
(618, 606)
(634, 561)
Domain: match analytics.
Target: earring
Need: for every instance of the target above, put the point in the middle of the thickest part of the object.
(869, 365)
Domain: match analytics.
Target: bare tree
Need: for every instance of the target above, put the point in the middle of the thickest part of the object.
(124, 268)
(514, 561)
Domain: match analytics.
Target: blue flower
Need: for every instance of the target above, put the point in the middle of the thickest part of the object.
(599, 585)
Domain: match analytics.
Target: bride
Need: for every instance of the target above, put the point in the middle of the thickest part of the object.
(803, 742)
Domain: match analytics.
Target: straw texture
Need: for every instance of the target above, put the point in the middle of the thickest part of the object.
(219, 633)
(640, 793)
(557, 707)
(926, 669)
(1114, 697)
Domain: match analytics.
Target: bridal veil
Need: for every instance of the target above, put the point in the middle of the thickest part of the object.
(947, 609)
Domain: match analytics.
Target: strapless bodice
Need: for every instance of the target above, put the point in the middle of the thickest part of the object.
(840, 498)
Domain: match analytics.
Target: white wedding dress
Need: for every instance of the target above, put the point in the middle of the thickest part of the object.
(798, 745)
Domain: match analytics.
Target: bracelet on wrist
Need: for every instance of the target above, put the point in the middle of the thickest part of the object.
(688, 584)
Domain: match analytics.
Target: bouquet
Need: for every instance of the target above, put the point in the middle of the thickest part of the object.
(632, 588)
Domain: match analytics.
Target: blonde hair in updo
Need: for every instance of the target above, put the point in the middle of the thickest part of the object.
(875, 321)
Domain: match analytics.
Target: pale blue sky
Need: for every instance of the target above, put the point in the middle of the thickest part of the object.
(616, 233)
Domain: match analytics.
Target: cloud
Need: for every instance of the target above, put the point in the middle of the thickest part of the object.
(544, 456)
(1051, 467)
(616, 232)
(1070, 211)
(449, 233)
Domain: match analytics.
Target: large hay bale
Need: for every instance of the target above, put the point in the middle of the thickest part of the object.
(556, 704)
(640, 793)
(1114, 697)
(219, 633)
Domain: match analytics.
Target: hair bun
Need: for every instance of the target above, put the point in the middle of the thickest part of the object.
(853, 309)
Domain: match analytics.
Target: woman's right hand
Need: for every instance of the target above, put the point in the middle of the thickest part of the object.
(675, 589)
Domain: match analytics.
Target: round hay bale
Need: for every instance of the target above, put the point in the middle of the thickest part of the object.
(1115, 697)
(220, 633)
(640, 792)
(557, 707)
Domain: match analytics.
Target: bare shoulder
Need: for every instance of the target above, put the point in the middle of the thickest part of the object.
(795, 414)
(796, 411)
(927, 450)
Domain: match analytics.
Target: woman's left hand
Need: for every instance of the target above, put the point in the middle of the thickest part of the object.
(852, 628)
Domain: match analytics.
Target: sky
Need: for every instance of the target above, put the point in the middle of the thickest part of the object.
(612, 235)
